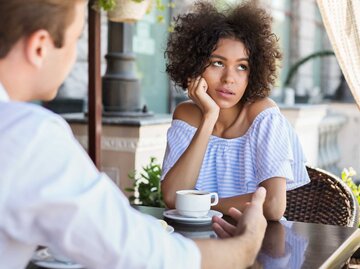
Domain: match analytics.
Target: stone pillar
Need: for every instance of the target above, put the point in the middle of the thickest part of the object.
(306, 120)
(121, 86)
(348, 140)
(126, 143)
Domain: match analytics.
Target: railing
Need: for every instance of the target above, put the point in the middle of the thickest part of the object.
(329, 154)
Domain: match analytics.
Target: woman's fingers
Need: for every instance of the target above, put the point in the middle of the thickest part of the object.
(200, 86)
(199, 82)
(197, 92)
(192, 86)
(203, 84)
(198, 89)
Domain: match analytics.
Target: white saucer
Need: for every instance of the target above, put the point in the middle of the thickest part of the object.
(174, 215)
(199, 234)
(44, 259)
(170, 229)
(58, 265)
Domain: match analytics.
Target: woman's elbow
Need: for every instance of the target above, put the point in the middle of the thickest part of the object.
(274, 215)
(274, 211)
(169, 200)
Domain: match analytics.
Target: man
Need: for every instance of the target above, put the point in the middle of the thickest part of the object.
(50, 192)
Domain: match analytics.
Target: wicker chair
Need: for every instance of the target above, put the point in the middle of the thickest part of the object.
(326, 199)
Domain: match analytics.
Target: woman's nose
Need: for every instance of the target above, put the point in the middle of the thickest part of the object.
(228, 76)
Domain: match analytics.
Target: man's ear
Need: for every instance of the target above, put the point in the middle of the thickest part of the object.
(37, 47)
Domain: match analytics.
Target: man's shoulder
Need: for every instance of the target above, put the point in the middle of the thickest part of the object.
(27, 117)
(25, 131)
(27, 111)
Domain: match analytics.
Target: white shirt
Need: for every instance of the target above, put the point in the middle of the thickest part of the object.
(52, 195)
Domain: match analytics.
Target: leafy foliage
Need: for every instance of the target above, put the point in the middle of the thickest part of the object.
(346, 176)
(146, 187)
(107, 5)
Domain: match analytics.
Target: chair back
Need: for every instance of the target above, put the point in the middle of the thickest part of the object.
(326, 199)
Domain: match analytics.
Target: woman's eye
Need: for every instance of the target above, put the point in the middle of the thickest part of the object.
(242, 67)
(217, 64)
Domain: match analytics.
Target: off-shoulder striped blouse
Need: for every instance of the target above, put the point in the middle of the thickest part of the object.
(269, 148)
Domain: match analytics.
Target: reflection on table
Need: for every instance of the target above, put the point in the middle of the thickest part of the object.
(283, 248)
(294, 245)
(291, 245)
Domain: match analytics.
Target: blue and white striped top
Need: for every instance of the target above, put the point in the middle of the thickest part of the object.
(269, 148)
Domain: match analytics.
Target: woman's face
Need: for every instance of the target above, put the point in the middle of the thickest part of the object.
(227, 75)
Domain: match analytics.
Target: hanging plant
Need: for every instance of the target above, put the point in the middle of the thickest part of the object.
(131, 10)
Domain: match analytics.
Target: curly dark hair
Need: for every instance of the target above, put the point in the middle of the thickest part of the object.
(197, 33)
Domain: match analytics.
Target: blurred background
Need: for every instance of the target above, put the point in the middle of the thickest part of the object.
(310, 90)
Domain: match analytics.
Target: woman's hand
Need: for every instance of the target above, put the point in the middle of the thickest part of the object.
(197, 91)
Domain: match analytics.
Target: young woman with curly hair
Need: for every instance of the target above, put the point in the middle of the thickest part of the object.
(230, 137)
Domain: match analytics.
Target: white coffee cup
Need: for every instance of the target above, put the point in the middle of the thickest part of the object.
(194, 203)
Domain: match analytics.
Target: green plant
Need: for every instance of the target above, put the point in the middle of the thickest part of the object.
(146, 186)
(108, 5)
(300, 62)
(346, 176)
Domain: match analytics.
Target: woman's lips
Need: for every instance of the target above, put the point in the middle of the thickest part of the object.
(225, 92)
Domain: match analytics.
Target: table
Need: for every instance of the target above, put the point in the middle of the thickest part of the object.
(295, 245)
(292, 245)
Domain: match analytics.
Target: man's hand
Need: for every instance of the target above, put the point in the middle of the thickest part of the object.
(251, 221)
(242, 241)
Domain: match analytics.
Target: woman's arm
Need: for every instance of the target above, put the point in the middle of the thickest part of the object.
(184, 173)
(275, 202)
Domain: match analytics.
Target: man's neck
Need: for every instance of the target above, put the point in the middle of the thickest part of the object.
(15, 74)
(13, 83)
(3, 93)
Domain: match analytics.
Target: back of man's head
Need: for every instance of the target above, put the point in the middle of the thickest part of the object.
(20, 18)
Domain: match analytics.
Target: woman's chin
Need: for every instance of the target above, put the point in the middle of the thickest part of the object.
(226, 105)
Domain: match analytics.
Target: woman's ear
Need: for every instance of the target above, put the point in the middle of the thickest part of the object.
(37, 47)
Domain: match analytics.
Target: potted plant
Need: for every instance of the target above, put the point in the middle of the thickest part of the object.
(130, 10)
(346, 176)
(146, 190)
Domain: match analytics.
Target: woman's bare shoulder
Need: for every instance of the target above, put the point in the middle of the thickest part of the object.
(258, 106)
(189, 112)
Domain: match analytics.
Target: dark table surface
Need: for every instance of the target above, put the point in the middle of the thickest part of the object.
(292, 244)
(295, 245)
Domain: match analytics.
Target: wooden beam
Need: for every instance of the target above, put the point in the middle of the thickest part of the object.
(95, 91)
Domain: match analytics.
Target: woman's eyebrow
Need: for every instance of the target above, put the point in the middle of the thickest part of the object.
(224, 58)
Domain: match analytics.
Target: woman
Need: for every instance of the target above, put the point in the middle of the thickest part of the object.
(229, 137)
